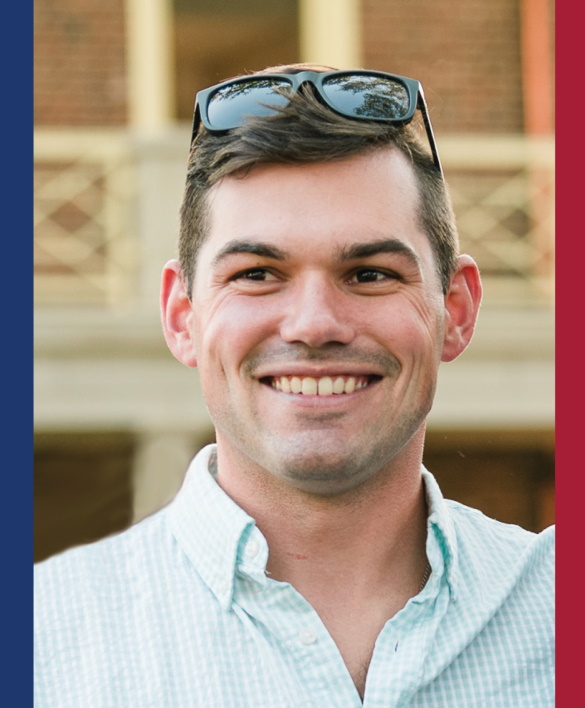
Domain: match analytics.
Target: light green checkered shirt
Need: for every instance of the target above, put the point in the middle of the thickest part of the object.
(178, 612)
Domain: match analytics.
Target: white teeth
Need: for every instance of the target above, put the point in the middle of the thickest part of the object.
(324, 386)
(339, 385)
(295, 384)
(309, 387)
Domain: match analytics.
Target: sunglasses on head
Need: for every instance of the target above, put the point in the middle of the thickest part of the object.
(360, 95)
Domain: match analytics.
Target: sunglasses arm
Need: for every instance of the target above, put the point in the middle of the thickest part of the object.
(430, 135)
(196, 123)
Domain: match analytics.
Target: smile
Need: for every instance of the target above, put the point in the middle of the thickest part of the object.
(322, 386)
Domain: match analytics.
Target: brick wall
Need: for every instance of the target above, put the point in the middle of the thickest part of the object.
(465, 52)
(80, 73)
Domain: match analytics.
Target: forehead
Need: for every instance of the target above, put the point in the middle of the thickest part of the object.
(318, 208)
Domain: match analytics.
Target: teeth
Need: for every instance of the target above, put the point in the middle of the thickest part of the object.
(339, 385)
(324, 386)
(309, 387)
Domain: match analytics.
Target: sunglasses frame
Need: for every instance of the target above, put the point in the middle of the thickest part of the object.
(413, 87)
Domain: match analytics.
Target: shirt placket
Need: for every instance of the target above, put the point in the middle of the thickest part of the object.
(402, 649)
(291, 637)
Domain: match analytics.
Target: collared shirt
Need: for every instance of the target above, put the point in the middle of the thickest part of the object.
(178, 612)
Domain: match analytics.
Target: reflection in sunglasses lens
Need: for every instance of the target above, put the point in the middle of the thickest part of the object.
(371, 97)
(229, 105)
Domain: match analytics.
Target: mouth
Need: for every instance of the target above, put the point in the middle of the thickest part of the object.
(319, 386)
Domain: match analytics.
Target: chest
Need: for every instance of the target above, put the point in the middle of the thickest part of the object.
(355, 636)
(271, 650)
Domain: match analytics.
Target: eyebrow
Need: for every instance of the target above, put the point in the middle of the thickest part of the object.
(256, 248)
(366, 250)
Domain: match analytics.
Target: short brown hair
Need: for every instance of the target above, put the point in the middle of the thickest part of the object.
(307, 131)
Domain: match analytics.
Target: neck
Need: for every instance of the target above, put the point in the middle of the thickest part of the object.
(356, 557)
(360, 543)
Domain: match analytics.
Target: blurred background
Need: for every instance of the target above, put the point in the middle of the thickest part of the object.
(117, 418)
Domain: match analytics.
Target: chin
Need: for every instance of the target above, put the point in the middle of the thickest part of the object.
(322, 473)
(330, 465)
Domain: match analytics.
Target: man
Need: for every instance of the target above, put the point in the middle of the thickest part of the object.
(309, 559)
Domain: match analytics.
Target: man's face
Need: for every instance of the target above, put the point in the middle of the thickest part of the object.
(318, 277)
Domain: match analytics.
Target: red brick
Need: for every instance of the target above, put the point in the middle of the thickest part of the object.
(80, 63)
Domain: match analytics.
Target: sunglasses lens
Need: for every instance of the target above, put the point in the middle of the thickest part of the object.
(370, 97)
(228, 106)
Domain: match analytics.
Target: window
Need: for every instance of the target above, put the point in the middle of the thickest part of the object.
(217, 39)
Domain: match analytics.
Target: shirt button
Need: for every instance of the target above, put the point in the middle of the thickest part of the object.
(252, 549)
(307, 636)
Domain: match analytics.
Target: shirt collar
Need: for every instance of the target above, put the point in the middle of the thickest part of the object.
(442, 550)
(221, 539)
(210, 527)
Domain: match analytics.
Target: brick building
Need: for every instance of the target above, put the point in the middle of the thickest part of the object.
(117, 417)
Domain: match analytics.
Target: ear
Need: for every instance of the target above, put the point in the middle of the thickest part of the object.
(462, 303)
(177, 314)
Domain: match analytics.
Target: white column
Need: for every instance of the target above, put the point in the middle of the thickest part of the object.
(151, 82)
(330, 32)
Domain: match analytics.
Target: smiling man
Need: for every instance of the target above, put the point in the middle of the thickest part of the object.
(318, 322)
(310, 559)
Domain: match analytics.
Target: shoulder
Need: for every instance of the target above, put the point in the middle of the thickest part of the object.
(103, 578)
(112, 553)
(504, 565)
(499, 609)
(476, 541)
(479, 534)
(117, 613)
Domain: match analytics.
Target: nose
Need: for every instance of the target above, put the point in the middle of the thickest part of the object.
(317, 314)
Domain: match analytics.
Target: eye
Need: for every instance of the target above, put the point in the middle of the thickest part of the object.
(372, 275)
(257, 280)
(255, 274)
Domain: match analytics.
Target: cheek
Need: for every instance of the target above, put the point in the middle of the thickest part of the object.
(426, 318)
(408, 325)
(232, 331)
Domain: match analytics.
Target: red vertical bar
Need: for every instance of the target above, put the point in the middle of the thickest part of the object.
(570, 239)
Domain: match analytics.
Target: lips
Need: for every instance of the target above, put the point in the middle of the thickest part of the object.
(319, 386)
